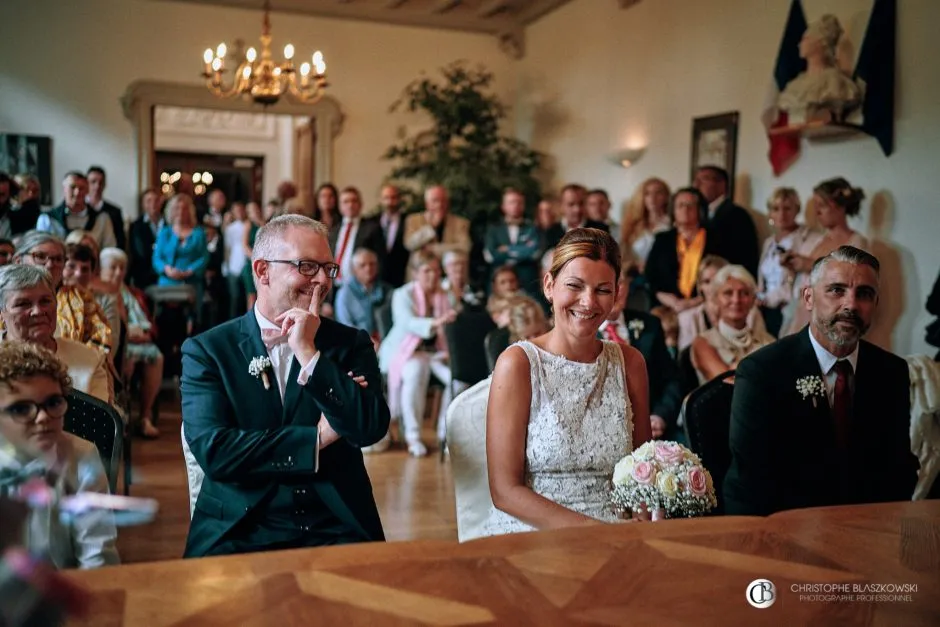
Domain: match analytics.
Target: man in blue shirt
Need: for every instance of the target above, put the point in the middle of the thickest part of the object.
(362, 293)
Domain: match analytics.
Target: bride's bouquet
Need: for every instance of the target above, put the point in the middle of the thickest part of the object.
(663, 476)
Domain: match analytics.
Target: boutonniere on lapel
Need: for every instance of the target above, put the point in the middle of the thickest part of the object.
(811, 387)
(636, 327)
(259, 367)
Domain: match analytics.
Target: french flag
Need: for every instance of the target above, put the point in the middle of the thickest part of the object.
(785, 149)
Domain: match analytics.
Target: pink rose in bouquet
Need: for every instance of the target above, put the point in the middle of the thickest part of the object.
(669, 452)
(644, 472)
(698, 484)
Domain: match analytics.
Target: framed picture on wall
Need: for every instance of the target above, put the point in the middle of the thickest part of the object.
(28, 154)
(715, 142)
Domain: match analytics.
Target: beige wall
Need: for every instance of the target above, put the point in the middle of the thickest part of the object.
(67, 64)
(597, 78)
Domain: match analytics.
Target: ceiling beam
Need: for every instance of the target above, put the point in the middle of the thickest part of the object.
(492, 7)
(443, 6)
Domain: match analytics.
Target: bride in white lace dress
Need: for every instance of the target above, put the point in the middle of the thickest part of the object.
(565, 407)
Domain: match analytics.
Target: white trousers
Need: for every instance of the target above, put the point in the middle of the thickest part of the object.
(415, 377)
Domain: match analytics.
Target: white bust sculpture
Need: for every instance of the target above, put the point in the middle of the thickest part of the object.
(823, 90)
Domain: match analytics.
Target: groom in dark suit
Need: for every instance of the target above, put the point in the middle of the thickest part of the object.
(822, 417)
(280, 446)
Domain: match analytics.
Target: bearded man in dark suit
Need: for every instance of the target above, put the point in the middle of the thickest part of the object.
(823, 417)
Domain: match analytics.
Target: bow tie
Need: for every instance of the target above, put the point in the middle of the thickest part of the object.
(272, 338)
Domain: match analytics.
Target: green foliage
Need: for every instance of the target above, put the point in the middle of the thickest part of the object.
(463, 150)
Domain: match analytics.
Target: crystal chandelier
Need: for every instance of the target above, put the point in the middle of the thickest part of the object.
(262, 79)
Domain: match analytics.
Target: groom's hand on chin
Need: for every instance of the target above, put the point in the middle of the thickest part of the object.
(301, 326)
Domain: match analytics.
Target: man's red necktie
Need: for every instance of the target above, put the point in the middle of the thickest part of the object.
(611, 332)
(842, 403)
(347, 229)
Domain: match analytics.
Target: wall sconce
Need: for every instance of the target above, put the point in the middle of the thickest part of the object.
(626, 157)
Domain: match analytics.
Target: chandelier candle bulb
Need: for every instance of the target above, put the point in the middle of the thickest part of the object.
(289, 52)
(251, 55)
(207, 56)
(216, 64)
(221, 50)
(304, 69)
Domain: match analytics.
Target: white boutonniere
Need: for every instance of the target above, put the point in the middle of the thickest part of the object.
(811, 387)
(636, 327)
(259, 367)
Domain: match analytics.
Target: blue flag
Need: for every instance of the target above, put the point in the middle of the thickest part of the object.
(876, 68)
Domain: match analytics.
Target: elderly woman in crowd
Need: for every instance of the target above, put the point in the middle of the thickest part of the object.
(722, 347)
(415, 348)
(33, 389)
(28, 311)
(141, 333)
(775, 283)
(79, 316)
(672, 264)
(457, 282)
(647, 215)
(834, 200)
(181, 252)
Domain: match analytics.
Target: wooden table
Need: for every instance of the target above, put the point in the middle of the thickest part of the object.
(677, 572)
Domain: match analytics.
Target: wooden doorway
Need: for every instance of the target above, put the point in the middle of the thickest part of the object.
(305, 142)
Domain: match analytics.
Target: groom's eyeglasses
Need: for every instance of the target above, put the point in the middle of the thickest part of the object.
(310, 268)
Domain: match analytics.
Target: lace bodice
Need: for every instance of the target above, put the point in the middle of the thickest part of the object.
(580, 426)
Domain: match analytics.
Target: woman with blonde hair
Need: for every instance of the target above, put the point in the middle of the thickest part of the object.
(835, 201)
(646, 214)
(181, 252)
(722, 347)
(565, 407)
(775, 280)
(415, 348)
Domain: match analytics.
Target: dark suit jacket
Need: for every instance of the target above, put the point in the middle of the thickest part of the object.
(734, 237)
(248, 442)
(662, 264)
(665, 391)
(117, 223)
(556, 231)
(783, 447)
(524, 255)
(368, 235)
(23, 218)
(140, 252)
(395, 265)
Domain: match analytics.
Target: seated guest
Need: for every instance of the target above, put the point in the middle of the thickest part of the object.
(696, 320)
(525, 319)
(730, 227)
(436, 230)
(822, 417)
(33, 389)
(80, 317)
(6, 251)
(597, 209)
(81, 269)
(142, 237)
(361, 293)
(573, 215)
(181, 253)
(647, 215)
(775, 282)
(672, 265)
(141, 333)
(415, 348)
(515, 242)
(505, 286)
(457, 282)
(834, 200)
(28, 311)
(644, 332)
(670, 322)
(721, 348)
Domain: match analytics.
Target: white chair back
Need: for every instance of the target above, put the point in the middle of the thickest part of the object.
(466, 440)
(194, 474)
